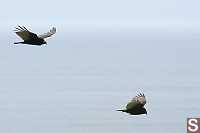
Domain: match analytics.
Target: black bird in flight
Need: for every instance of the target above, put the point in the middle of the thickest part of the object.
(136, 105)
(31, 38)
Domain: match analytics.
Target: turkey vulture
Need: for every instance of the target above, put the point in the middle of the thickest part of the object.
(136, 105)
(32, 38)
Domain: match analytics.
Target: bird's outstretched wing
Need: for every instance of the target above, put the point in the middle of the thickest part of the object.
(48, 34)
(24, 34)
(138, 100)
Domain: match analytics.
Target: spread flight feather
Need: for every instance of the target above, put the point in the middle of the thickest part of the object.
(48, 34)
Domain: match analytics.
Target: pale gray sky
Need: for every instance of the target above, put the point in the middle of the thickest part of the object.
(102, 13)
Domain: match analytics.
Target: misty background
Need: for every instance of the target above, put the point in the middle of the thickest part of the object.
(103, 54)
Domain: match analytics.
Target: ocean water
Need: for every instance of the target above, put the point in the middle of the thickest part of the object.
(76, 82)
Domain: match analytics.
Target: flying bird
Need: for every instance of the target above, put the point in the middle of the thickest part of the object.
(136, 105)
(31, 38)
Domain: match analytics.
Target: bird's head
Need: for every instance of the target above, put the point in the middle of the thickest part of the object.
(146, 112)
(143, 111)
(44, 42)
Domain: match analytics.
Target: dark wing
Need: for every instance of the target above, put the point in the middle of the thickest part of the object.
(25, 34)
(48, 34)
(137, 101)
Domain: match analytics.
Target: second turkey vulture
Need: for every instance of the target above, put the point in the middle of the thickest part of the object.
(32, 38)
(136, 105)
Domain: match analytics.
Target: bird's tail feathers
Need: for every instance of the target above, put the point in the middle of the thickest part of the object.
(121, 110)
(17, 42)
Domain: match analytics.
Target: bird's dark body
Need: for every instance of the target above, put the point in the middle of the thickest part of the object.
(36, 41)
(137, 111)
